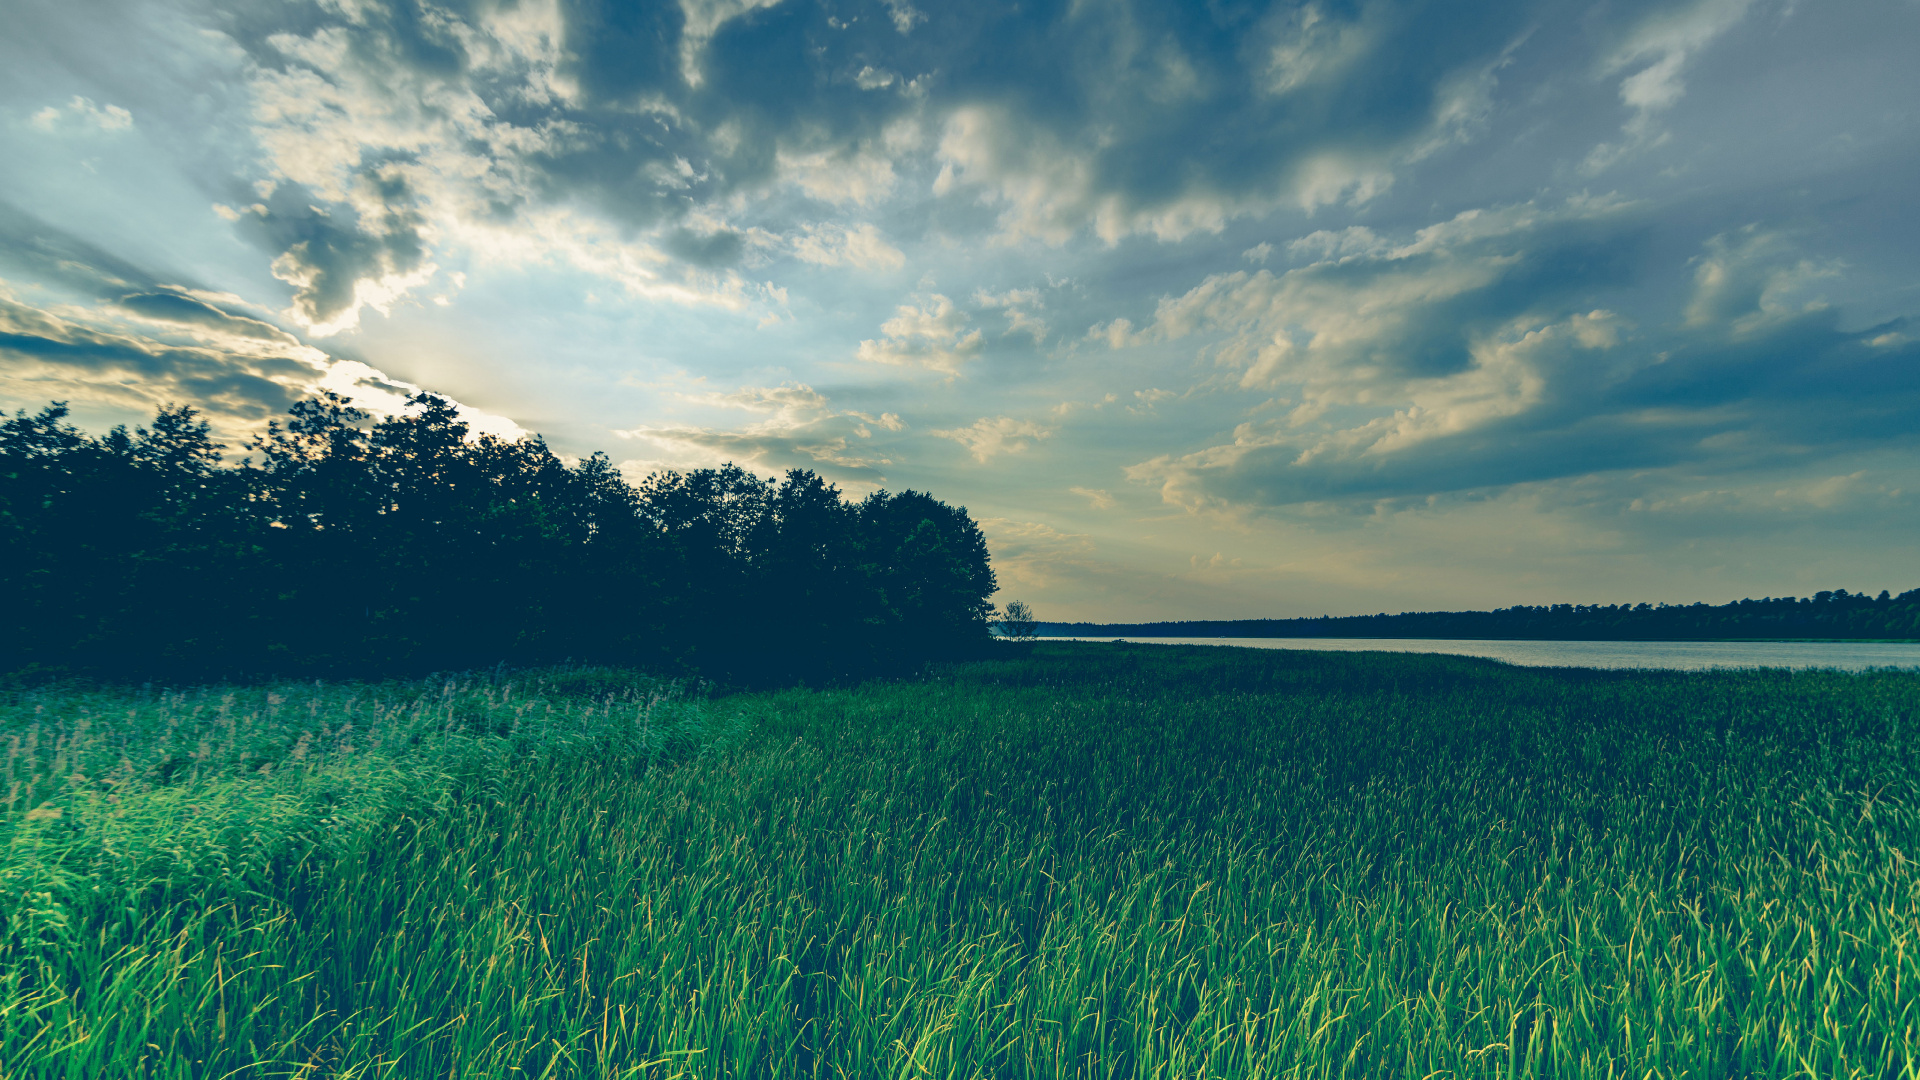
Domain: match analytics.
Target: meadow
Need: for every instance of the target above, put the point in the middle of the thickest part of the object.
(1080, 860)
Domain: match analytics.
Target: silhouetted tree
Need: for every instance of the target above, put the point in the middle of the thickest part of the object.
(410, 543)
(1016, 621)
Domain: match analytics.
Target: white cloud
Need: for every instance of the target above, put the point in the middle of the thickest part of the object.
(382, 395)
(990, 436)
(1338, 334)
(1308, 49)
(858, 178)
(1145, 400)
(1118, 334)
(1068, 408)
(1020, 306)
(905, 15)
(1658, 50)
(798, 426)
(1098, 497)
(1049, 191)
(930, 333)
(1749, 280)
(860, 246)
(1509, 375)
(406, 163)
(1184, 479)
(1351, 331)
(1327, 244)
(81, 113)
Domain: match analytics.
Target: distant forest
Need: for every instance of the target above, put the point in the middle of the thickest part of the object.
(340, 546)
(1837, 615)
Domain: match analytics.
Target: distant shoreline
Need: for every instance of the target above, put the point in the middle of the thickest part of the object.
(1803, 655)
(1043, 635)
(1835, 615)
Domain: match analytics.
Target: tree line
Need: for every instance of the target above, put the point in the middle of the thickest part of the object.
(1832, 614)
(339, 545)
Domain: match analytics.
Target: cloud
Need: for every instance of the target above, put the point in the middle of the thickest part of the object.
(383, 395)
(798, 427)
(1146, 400)
(1458, 360)
(1168, 125)
(1369, 316)
(904, 15)
(664, 147)
(1326, 244)
(385, 140)
(71, 353)
(183, 307)
(990, 436)
(179, 345)
(336, 272)
(1118, 334)
(1035, 555)
(860, 177)
(702, 19)
(1749, 279)
(1657, 51)
(1306, 47)
(929, 333)
(1049, 189)
(81, 114)
(107, 333)
(1021, 307)
(861, 246)
(1099, 498)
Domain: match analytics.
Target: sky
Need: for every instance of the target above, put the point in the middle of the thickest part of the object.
(1202, 309)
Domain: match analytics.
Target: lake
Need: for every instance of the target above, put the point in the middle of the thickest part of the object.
(1682, 655)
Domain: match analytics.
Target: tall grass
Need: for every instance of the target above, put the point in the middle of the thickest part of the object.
(1091, 861)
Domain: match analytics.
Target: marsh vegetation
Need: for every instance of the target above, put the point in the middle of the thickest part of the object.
(1081, 860)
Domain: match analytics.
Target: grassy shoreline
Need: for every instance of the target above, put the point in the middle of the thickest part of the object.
(1080, 861)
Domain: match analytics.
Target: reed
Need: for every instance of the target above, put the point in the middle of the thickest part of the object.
(1086, 861)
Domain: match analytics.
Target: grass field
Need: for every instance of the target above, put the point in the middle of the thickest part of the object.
(1083, 861)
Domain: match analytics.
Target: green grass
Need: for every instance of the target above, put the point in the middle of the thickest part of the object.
(1084, 861)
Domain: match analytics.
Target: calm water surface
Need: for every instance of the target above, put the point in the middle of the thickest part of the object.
(1686, 655)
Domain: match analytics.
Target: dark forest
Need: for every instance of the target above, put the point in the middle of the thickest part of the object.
(341, 546)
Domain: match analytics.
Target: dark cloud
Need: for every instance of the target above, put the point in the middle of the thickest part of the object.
(231, 365)
(1800, 393)
(618, 52)
(33, 249)
(187, 310)
(1480, 353)
(386, 386)
(326, 254)
(722, 247)
(50, 358)
(1115, 118)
